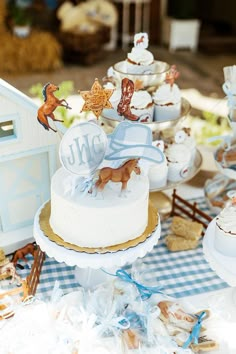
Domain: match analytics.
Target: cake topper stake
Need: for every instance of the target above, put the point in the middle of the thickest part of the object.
(127, 91)
(96, 99)
(50, 104)
(172, 75)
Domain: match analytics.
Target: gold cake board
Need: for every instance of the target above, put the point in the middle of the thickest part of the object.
(44, 216)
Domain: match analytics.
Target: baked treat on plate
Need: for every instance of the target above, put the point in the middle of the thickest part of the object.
(140, 60)
(142, 106)
(167, 98)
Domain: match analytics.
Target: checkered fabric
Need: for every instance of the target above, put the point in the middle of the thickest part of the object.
(180, 274)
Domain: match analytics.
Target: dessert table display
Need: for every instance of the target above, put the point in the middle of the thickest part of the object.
(126, 292)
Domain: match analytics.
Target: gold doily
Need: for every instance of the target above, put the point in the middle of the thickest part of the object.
(48, 232)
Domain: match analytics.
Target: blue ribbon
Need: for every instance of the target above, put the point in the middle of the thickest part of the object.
(145, 291)
(194, 335)
(230, 95)
(86, 185)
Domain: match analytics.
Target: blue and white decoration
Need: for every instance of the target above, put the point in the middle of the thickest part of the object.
(82, 148)
(132, 140)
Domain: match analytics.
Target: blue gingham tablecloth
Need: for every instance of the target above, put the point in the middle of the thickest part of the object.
(180, 274)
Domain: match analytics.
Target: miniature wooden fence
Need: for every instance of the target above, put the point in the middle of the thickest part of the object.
(33, 278)
(29, 286)
(181, 207)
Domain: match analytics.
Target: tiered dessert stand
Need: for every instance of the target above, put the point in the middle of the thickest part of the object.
(93, 268)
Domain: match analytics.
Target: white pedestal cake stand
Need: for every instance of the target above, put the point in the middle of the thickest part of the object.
(224, 266)
(89, 267)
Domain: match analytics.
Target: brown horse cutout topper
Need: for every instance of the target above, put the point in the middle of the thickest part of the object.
(50, 104)
(121, 174)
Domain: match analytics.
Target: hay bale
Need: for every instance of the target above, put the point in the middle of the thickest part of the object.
(39, 52)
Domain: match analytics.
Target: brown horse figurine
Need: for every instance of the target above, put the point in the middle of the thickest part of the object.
(50, 104)
(22, 252)
(121, 174)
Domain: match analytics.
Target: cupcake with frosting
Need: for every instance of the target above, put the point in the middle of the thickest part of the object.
(140, 60)
(167, 98)
(142, 106)
(116, 95)
(225, 231)
(189, 142)
(157, 173)
(179, 159)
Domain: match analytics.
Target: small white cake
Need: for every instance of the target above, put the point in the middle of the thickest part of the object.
(86, 221)
(225, 231)
(142, 106)
(178, 157)
(167, 102)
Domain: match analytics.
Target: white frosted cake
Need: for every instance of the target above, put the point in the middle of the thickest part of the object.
(225, 231)
(86, 221)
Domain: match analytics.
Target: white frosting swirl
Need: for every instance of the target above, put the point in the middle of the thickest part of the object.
(167, 94)
(178, 153)
(141, 56)
(141, 99)
(226, 220)
(116, 95)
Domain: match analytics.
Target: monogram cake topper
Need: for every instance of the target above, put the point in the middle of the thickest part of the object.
(82, 148)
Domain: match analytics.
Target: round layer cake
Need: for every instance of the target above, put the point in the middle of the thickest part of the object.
(105, 220)
(225, 232)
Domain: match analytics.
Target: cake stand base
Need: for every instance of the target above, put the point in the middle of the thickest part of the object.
(89, 278)
(89, 266)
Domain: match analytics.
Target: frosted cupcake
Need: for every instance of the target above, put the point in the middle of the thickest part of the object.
(225, 231)
(116, 95)
(142, 106)
(157, 173)
(140, 60)
(179, 160)
(188, 140)
(167, 98)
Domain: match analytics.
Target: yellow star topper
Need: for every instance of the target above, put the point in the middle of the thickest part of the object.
(96, 99)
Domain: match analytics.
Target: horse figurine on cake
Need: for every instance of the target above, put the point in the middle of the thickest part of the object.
(50, 104)
(121, 174)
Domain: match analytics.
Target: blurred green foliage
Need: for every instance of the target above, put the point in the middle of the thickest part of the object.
(207, 125)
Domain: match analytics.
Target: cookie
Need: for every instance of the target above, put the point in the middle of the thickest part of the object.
(179, 243)
(188, 229)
